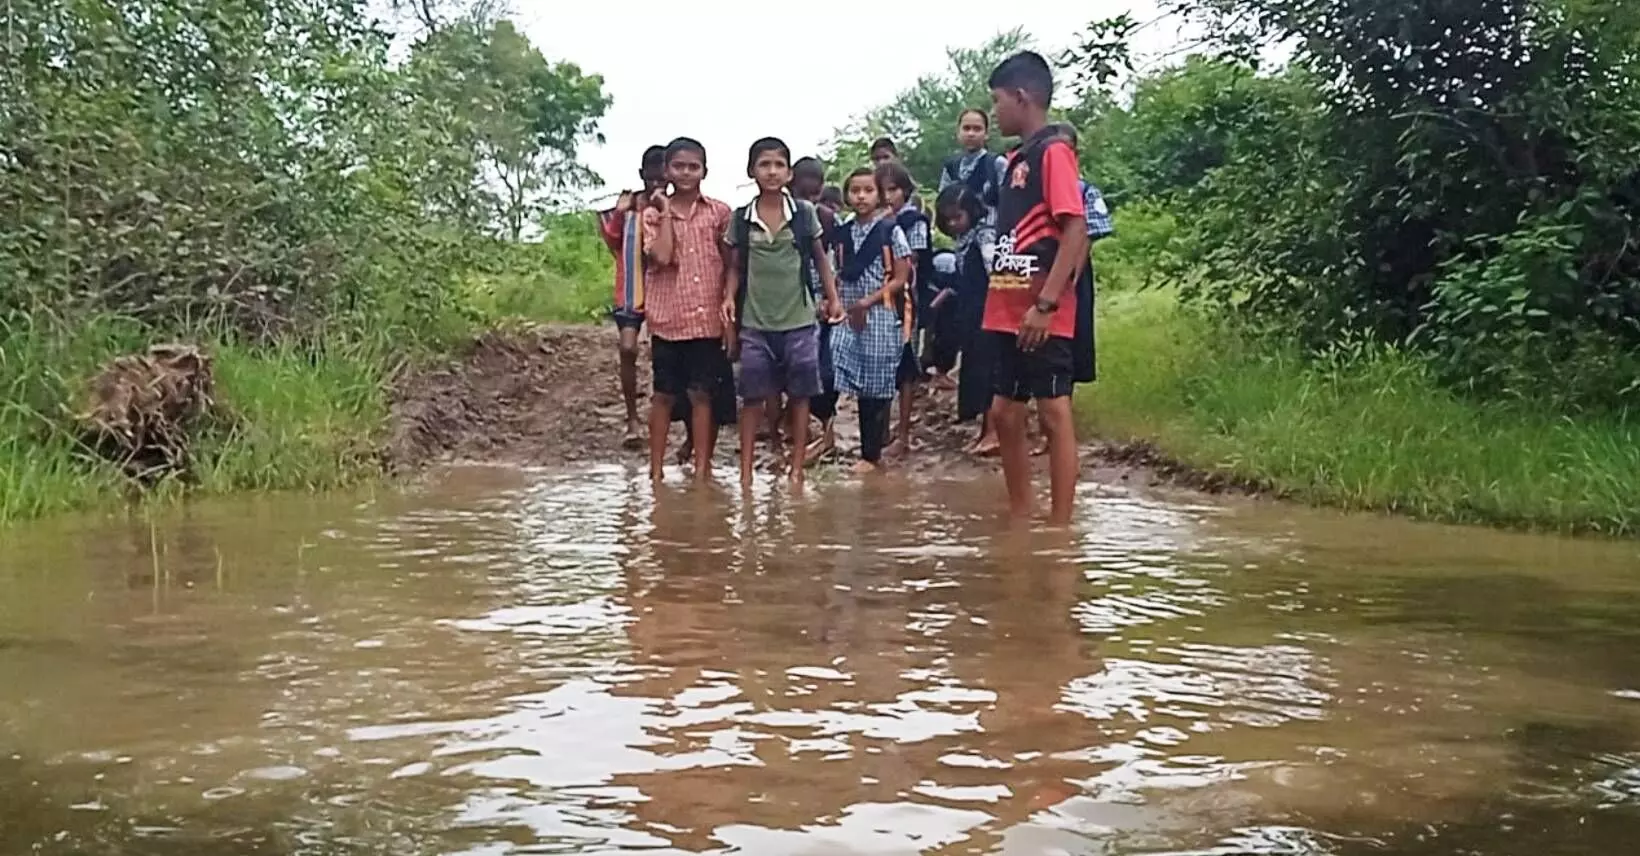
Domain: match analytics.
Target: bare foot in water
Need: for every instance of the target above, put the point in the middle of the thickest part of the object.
(633, 438)
(987, 446)
(1040, 449)
(861, 468)
(686, 453)
(822, 446)
(896, 449)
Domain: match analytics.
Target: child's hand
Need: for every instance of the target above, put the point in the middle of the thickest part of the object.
(857, 315)
(658, 200)
(727, 312)
(832, 311)
(624, 203)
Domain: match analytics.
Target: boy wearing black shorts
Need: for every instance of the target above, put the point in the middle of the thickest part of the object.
(1030, 310)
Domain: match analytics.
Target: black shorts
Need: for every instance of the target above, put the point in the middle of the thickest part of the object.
(690, 364)
(1023, 375)
(626, 319)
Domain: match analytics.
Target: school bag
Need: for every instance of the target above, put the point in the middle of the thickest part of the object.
(741, 225)
(923, 273)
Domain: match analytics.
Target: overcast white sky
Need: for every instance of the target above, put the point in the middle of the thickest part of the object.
(702, 68)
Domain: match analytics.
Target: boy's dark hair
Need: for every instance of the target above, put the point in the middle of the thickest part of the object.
(767, 144)
(1066, 130)
(832, 195)
(1027, 72)
(894, 174)
(653, 156)
(882, 143)
(957, 197)
(860, 171)
(685, 144)
(809, 167)
(984, 116)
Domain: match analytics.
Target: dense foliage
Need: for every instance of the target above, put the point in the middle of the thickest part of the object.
(1460, 179)
(1457, 177)
(268, 167)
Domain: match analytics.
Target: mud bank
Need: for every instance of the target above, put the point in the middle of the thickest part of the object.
(549, 396)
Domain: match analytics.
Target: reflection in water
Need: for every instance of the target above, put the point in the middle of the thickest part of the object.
(574, 663)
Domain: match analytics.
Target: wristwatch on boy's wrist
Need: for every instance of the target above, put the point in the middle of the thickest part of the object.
(1046, 307)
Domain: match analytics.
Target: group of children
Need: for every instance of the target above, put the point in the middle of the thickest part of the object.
(815, 305)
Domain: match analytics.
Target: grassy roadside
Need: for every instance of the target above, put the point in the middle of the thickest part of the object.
(298, 419)
(1375, 433)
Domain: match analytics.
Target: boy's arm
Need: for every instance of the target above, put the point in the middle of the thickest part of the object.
(658, 238)
(828, 278)
(731, 281)
(609, 228)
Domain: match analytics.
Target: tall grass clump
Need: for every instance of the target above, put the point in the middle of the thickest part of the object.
(1363, 427)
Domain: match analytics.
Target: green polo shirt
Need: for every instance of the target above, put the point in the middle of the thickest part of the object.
(777, 298)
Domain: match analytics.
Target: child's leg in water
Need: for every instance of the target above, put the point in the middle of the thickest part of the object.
(874, 414)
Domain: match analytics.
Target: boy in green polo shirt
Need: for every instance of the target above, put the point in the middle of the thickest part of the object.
(773, 241)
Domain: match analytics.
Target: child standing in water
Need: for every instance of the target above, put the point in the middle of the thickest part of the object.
(866, 349)
(774, 243)
(622, 230)
(962, 216)
(1030, 307)
(684, 277)
(808, 184)
(896, 186)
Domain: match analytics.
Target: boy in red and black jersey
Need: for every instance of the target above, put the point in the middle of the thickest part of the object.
(1030, 310)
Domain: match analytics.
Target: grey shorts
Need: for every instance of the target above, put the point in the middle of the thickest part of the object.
(787, 362)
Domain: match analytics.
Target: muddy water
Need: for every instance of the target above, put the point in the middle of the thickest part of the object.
(509, 662)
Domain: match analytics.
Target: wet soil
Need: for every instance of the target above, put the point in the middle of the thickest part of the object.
(550, 396)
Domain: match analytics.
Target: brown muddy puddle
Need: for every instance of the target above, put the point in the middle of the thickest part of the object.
(567, 662)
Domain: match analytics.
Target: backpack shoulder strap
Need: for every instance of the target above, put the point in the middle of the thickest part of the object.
(803, 215)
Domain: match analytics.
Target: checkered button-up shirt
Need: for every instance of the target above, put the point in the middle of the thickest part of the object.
(1096, 212)
(682, 299)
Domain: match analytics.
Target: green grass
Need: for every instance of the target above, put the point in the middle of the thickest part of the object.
(1371, 433)
(292, 419)
(295, 420)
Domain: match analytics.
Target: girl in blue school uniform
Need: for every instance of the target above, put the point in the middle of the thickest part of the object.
(961, 214)
(866, 349)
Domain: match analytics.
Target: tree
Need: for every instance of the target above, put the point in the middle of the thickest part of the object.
(528, 116)
(922, 120)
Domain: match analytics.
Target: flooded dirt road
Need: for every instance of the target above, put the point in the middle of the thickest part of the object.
(567, 661)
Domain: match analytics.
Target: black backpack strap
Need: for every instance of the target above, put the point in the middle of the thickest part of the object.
(804, 217)
(740, 224)
(856, 260)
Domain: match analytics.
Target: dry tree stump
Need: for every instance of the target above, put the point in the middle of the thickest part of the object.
(142, 410)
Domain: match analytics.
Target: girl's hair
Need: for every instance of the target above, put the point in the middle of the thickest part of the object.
(884, 143)
(832, 195)
(857, 173)
(767, 144)
(956, 198)
(894, 174)
(984, 117)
